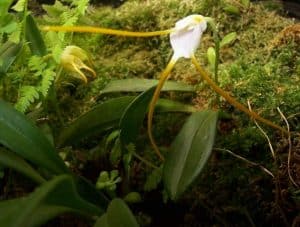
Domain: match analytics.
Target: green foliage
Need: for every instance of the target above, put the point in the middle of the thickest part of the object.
(117, 215)
(108, 181)
(153, 179)
(13, 161)
(8, 53)
(254, 69)
(43, 75)
(189, 152)
(132, 119)
(60, 14)
(24, 138)
(45, 203)
(138, 85)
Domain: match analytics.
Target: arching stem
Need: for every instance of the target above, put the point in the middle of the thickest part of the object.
(89, 29)
(155, 97)
(231, 100)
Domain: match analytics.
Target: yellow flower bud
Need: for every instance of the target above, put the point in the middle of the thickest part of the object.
(72, 59)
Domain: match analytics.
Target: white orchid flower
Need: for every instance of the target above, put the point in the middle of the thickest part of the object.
(186, 36)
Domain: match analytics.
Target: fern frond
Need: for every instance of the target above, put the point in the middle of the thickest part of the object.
(46, 82)
(81, 6)
(28, 94)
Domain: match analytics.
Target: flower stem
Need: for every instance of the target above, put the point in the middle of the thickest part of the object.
(231, 100)
(155, 97)
(89, 29)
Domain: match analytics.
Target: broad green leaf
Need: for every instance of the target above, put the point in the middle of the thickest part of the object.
(133, 117)
(167, 105)
(211, 57)
(4, 6)
(24, 138)
(118, 215)
(49, 200)
(102, 221)
(231, 9)
(34, 37)
(8, 54)
(88, 192)
(229, 38)
(13, 161)
(139, 85)
(106, 116)
(102, 117)
(189, 152)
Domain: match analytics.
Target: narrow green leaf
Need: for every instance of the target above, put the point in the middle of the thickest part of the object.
(49, 200)
(13, 161)
(229, 38)
(24, 138)
(102, 117)
(34, 37)
(189, 152)
(8, 54)
(167, 105)
(211, 57)
(139, 85)
(133, 117)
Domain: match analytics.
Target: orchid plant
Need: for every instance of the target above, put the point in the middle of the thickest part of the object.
(185, 38)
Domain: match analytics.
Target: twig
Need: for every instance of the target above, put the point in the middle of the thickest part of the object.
(148, 163)
(263, 132)
(246, 160)
(290, 148)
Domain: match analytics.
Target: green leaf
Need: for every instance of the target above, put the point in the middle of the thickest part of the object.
(211, 57)
(106, 116)
(133, 117)
(167, 105)
(102, 117)
(189, 152)
(13, 161)
(88, 192)
(34, 37)
(8, 54)
(153, 179)
(24, 138)
(133, 197)
(245, 3)
(4, 6)
(229, 38)
(49, 200)
(118, 215)
(231, 9)
(102, 221)
(19, 6)
(139, 85)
